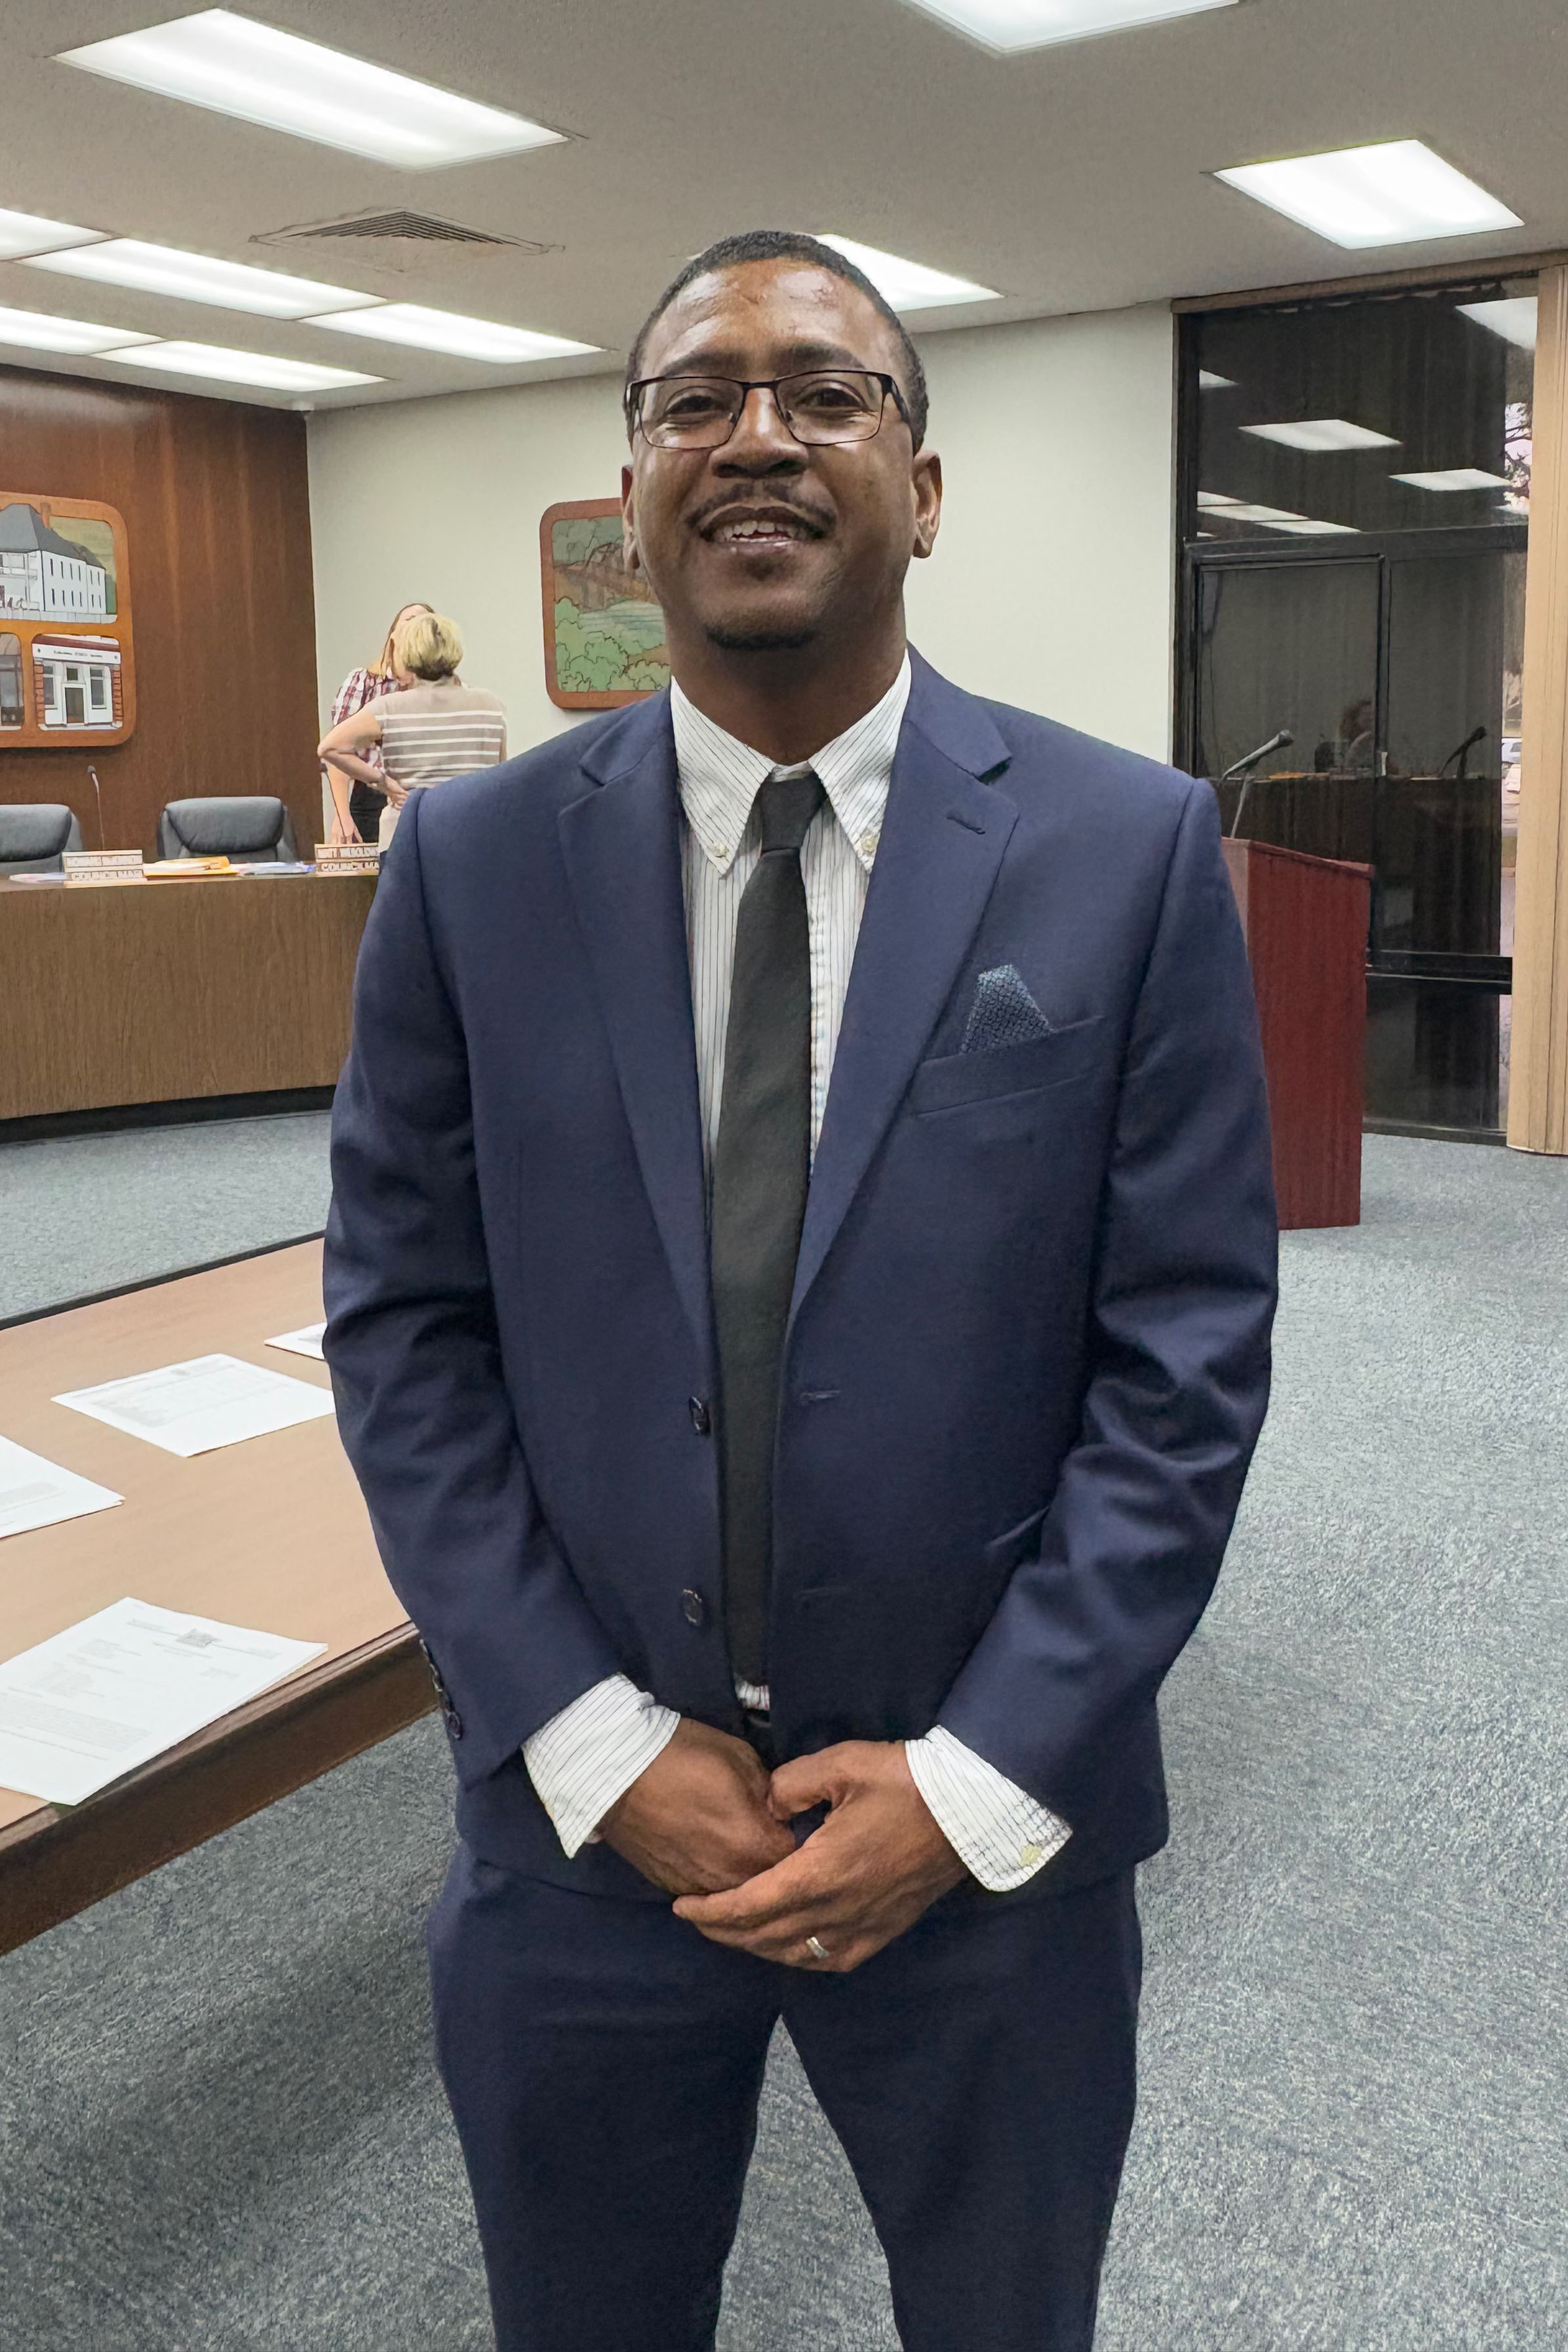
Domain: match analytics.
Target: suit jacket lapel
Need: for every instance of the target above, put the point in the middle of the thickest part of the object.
(942, 840)
(622, 848)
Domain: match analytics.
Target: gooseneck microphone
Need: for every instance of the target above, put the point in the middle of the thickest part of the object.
(1461, 752)
(1245, 768)
(98, 796)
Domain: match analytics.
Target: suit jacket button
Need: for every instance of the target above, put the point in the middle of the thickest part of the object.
(702, 1419)
(693, 1608)
(454, 1722)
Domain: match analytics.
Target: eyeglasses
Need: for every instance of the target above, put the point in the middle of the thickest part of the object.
(828, 407)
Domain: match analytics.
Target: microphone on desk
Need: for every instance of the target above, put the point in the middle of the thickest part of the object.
(1462, 750)
(1245, 768)
(98, 796)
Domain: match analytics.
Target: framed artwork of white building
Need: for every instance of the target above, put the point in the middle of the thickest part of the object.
(76, 679)
(67, 661)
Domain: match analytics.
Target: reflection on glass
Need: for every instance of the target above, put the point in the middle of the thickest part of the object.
(1358, 478)
(1432, 1054)
(1440, 863)
(1407, 412)
(1294, 646)
(1399, 678)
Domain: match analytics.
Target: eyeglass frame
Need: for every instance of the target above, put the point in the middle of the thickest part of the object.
(746, 386)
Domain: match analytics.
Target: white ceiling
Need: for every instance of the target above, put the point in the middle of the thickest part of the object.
(1073, 178)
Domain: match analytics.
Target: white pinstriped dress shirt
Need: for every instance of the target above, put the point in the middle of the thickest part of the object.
(586, 1757)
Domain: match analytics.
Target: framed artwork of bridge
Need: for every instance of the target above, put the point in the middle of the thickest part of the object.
(603, 632)
(67, 674)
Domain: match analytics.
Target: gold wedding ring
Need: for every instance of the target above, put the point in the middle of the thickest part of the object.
(817, 1948)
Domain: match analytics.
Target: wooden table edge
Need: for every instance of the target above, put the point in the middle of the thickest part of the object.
(306, 1726)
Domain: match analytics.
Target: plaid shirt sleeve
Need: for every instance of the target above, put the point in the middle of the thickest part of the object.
(360, 687)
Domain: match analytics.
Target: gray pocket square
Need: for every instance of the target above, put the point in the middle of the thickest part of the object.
(1004, 1012)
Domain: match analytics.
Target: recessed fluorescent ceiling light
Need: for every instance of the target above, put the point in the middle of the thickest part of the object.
(1209, 382)
(221, 366)
(447, 331)
(1299, 525)
(908, 285)
(1456, 477)
(229, 284)
(237, 66)
(35, 331)
(1318, 432)
(1006, 25)
(1512, 316)
(26, 232)
(1393, 194)
(1276, 518)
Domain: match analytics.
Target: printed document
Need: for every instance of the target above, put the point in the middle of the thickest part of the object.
(38, 1494)
(94, 1702)
(208, 1402)
(307, 1341)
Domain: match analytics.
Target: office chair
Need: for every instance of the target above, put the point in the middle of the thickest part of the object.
(248, 828)
(34, 836)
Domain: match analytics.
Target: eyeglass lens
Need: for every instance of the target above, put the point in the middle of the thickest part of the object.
(695, 412)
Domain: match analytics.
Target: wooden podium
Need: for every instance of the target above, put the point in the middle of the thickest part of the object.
(1306, 924)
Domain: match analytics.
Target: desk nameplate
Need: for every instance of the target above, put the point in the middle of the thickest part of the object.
(347, 858)
(99, 869)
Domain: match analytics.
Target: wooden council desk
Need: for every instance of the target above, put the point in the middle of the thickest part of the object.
(270, 1534)
(166, 992)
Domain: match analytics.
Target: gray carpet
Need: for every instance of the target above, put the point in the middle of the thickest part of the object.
(91, 1211)
(218, 2126)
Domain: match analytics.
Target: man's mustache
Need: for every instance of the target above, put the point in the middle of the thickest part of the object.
(817, 520)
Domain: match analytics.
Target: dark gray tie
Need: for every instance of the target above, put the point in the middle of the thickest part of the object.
(761, 1162)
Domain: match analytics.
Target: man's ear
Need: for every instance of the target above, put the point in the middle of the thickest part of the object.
(629, 553)
(926, 483)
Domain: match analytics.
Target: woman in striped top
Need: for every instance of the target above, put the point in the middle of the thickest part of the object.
(432, 729)
(356, 812)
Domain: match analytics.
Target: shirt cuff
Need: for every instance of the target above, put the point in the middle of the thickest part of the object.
(589, 1754)
(1001, 1834)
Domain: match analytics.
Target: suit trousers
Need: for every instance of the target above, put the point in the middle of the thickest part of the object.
(603, 2062)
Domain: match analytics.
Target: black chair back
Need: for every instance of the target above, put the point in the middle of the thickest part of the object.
(254, 827)
(35, 835)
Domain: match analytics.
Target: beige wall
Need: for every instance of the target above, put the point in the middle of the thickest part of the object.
(441, 499)
(1051, 584)
(1054, 574)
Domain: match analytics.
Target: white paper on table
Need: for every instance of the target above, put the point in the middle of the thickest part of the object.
(92, 1703)
(38, 1494)
(307, 1341)
(209, 1401)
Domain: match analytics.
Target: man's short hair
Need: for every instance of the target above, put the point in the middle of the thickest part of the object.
(787, 245)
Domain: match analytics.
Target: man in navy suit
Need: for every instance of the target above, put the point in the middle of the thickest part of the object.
(800, 1279)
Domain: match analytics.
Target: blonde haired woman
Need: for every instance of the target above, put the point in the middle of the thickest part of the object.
(432, 729)
(357, 811)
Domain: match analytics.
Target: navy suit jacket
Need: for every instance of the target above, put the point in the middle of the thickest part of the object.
(1028, 1356)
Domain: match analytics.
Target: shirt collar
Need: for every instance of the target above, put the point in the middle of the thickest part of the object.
(719, 774)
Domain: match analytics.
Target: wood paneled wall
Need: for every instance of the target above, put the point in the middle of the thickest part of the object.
(217, 504)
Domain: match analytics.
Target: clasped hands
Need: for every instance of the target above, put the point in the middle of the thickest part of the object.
(709, 1823)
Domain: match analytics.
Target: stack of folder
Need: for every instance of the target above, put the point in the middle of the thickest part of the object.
(187, 869)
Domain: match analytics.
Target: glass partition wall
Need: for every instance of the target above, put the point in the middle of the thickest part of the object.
(1354, 507)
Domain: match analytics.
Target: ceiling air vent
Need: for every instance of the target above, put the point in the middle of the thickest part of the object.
(395, 228)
